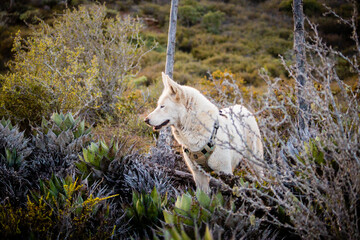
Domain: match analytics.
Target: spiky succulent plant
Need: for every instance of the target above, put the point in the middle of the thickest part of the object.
(12, 140)
(142, 177)
(58, 143)
(210, 217)
(145, 212)
(14, 148)
(63, 133)
(53, 148)
(97, 157)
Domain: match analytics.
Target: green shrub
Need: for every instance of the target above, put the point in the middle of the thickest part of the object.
(230, 9)
(212, 21)
(276, 46)
(23, 98)
(184, 38)
(58, 68)
(127, 110)
(31, 15)
(344, 70)
(189, 15)
(203, 52)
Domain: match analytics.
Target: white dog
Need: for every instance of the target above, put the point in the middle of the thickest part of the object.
(213, 139)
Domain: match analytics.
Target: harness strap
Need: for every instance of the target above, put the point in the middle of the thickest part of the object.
(202, 156)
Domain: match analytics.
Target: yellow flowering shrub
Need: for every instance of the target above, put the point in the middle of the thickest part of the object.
(36, 218)
(46, 76)
(80, 63)
(224, 86)
(10, 220)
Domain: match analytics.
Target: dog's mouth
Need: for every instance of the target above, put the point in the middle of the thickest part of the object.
(158, 127)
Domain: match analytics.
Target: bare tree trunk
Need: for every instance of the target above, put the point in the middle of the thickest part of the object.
(301, 75)
(165, 136)
(169, 67)
(12, 3)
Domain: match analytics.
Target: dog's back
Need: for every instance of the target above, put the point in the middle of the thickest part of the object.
(243, 136)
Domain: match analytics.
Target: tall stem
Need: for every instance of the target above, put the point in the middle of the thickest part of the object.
(165, 137)
(301, 75)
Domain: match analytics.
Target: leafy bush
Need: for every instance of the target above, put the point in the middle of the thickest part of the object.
(60, 67)
(30, 15)
(23, 100)
(189, 15)
(220, 86)
(276, 46)
(212, 21)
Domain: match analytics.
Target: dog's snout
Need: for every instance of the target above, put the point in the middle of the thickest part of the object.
(146, 120)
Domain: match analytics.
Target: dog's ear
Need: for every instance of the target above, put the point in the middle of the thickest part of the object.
(170, 84)
(165, 80)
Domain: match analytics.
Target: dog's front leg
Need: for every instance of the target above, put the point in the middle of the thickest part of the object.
(201, 180)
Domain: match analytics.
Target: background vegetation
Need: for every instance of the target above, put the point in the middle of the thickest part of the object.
(76, 160)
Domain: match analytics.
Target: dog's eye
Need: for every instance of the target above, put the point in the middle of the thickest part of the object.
(162, 106)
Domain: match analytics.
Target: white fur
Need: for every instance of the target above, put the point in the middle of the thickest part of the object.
(191, 117)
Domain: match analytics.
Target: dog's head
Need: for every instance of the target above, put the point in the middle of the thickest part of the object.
(169, 107)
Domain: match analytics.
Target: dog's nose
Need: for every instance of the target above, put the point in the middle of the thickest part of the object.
(146, 120)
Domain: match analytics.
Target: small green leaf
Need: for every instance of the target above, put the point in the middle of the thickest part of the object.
(169, 217)
(53, 189)
(56, 118)
(204, 215)
(152, 211)
(184, 236)
(178, 202)
(82, 127)
(175, 234)
(71, 118)
(155, 196)
(68, 122)
(203, 198)
(135, 197)
(186, 201)
(164, 202)
(140, 209)
(208, 234)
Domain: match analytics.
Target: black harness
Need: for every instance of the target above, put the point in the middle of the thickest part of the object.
(202, 156)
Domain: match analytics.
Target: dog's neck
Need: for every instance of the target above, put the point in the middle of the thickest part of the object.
(194, 129)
